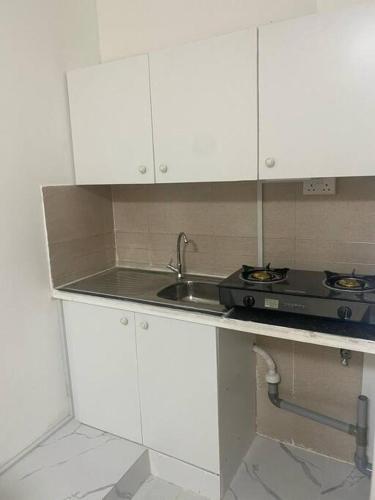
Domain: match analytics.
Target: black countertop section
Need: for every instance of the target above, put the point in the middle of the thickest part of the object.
(302, 322)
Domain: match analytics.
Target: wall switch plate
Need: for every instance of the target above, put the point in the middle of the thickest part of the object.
(320, 186)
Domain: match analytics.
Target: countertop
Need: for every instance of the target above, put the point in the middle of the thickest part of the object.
(144, 303)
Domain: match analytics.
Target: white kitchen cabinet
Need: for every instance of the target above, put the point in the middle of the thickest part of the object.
(317, 99)
(204, 104)
(111, 122)
(178, 389)
(103, 366)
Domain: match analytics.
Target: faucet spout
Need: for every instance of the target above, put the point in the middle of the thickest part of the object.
(179, 267)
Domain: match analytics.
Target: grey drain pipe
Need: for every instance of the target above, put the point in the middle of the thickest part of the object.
(359, 430)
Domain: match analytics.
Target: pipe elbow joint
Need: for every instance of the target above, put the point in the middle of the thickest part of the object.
(363, 465)
(275, 400)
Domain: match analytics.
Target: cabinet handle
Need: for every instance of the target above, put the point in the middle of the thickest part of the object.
(124, 321)
(163, 168)
(142, 169)
(143, 325)
(270, 162)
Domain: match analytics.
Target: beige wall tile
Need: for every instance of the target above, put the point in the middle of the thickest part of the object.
(279, 252)
(340, 267)
(80, 265)
(233, 209)
(132, 240)
(335, 251)
(347, 216)
(201, 263)
(231, 252)
(279, 209)
(134, 255)
(180, 216)
(79, 223)
(236, 245)
(81, 246)
(131, 208)
(73, 212)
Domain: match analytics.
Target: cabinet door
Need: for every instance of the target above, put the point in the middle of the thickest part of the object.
(178, 389)
(110, 114)
(103, 368)
(204, 102)
(317, 99)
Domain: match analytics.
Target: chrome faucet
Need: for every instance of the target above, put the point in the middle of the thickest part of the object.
(178, 269)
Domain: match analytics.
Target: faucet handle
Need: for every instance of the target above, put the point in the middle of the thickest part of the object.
(171, 266)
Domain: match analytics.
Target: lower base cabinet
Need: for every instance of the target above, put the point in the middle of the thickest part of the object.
(178, 389)
(103, 367)
(182, 389)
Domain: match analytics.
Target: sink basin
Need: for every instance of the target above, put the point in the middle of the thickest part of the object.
(196, 292)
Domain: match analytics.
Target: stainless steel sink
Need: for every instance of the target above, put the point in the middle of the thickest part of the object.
(153, 287)
(193, 292)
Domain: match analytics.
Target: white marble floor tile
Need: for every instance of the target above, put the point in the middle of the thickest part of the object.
(344, 482)
(76, 462)
(81, 462)
(274, 471)
(157, 489)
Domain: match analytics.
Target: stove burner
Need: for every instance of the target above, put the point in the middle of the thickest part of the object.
(263, 275)
(349, 282)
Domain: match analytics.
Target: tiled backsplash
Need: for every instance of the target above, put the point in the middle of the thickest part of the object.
(79, 224)
(219, 219)
(92, 228)
(335, 232)
(306, 232)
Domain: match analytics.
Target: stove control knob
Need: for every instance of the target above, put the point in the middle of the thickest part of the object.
(248, 301)
(344, 312)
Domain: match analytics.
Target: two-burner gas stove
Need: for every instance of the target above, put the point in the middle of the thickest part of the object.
(342, 297)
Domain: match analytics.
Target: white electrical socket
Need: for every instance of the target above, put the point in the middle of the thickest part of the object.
(320, 186)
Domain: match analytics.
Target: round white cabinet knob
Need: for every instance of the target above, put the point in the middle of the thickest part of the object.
(142, 169)
(124, 321)
(270, 162)
(163, 168)
(143, 325)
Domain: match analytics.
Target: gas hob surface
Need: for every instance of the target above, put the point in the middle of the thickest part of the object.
(311, 293)
(300, 283)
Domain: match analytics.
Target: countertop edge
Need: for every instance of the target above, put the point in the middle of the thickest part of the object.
(281, 332)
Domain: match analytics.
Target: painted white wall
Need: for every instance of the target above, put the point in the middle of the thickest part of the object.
(127, 27)
(39, 41)
(325, 5)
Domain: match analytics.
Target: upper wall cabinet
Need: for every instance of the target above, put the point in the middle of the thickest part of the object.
(111, 122)
(317, 99)
(204, 102)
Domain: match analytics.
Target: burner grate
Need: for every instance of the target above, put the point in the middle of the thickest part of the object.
(263, 275)
(349, 282)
